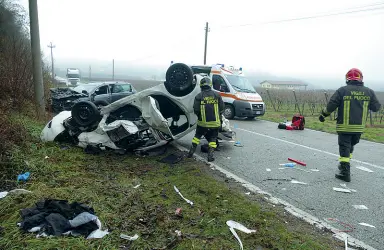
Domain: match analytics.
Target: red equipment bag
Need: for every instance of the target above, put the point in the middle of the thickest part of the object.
(298, 122)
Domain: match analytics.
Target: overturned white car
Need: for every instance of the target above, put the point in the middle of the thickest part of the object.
(140, 122)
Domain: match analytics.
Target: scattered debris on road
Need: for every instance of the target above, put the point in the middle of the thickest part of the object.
(298, 182)
(345, 225)
(178, 211)
(364, 169)
(23, 177)
(360, 206)
(177, 191)
(235, 225)
(3, 194)
(367, 225)
(268, 170)
(343, 190)
(130, 238)
(298, 162)
(57, 217)
(345, 186)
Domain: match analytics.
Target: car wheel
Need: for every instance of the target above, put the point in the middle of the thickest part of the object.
(85, 113)
(179, 80)
(229, 112)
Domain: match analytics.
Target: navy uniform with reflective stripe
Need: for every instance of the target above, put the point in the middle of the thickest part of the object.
(208, 107)
(353, 102)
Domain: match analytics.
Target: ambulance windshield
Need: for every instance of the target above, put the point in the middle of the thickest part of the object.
(241, 84)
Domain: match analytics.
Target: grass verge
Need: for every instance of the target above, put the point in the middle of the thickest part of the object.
(106, 183)
(372, 133)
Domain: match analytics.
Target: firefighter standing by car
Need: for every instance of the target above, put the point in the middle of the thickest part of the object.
(353, 102)
(208, 107)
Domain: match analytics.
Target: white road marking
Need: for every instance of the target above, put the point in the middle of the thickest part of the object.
(310, 148)
(288, 207)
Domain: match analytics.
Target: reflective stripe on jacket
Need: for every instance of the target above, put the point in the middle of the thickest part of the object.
(208, 107)
(353, 102)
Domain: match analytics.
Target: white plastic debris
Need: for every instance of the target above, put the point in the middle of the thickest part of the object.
(177, 191)
(268, 170)
(248, 193)
(235, 225)
(345, 186)
(137, 186)
(46, 157)
(367, 225)
(19, 191)
(364, 169)
(342, 190)
(315, 170)
(282, 168)
(360, 206)
(3, 194)
(178, 233)
(97, 234)
(130, 238)
(298, 182)
(346, 243)
(34, 229)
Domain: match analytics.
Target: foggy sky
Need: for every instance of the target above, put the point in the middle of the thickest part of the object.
(155, 32)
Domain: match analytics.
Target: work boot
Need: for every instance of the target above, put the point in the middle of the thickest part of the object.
(192, 150)
(344, 172)
(210, 154)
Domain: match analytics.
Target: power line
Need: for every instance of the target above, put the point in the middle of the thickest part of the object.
(308, 17)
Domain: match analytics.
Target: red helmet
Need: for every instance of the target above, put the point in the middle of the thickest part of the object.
(354, 74)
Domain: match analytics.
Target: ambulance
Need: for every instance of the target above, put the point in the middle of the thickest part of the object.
(239, 96)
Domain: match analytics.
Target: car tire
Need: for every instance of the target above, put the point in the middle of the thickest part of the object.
(229, 112)
(85, 113)
(179, 80)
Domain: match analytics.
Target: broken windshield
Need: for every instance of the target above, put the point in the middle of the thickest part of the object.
(241, 84)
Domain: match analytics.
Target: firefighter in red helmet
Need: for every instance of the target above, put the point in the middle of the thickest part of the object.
(353, 102)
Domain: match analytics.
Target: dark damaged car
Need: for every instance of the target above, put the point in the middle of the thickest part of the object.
(100, 93)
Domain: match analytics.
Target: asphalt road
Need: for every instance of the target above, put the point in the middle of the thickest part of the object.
(265, 147)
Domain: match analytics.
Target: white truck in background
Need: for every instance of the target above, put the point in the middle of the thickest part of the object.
(73, 76)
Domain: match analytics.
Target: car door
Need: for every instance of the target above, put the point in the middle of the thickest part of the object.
(102, 94)
(119, 91)
(152, 115)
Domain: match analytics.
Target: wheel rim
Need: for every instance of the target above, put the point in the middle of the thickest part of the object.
(227, 112)
(84, 113)
(179, 77)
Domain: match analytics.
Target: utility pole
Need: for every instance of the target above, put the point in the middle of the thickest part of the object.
(53, 69)
(113, 69)
(90, 73)
(206, 40)
(36, 58)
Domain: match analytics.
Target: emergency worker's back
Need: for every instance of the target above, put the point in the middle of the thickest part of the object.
(353, 102)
